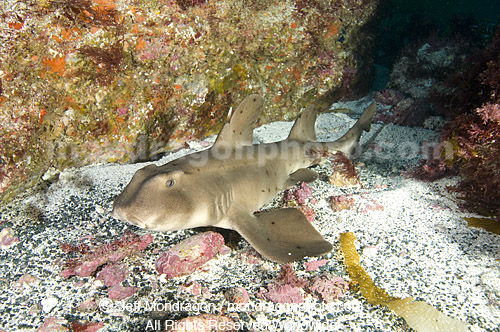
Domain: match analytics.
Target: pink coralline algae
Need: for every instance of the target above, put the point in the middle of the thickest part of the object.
(91, 258)
(289, 288)
(185, 257)
(113, 274)
(7, 238)
(283, 293)
(205, 323)
(308, 212)
(341, 202)
(388, 97)
(299, 194)
(54, 324)
(297, 197)
(119, 292)
(328, 287)
(314, 265)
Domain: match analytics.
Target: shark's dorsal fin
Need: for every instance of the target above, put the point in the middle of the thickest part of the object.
(283, 235)
(303, 128)
(349, 143)
(238, 131)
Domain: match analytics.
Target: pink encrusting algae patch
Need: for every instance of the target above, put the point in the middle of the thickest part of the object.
(290, 288)
(188, 255)
(91, 258)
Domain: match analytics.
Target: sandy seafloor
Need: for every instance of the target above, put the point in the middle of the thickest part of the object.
(418, 245)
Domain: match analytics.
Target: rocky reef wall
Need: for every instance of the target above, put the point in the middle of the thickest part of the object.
(86, 81)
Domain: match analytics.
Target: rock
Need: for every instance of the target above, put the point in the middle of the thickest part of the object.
(314, 265)
(49, 303)
(121, 292)
(189, 72)
(86, 326)
(27, 281)
(7, 238)
(203, 323)
(54, 324)
(237, 295)
(93, 257)
(185, 257)
(113, 274)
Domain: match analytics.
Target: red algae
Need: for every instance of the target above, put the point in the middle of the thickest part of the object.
(51, 324)
(187, 256)
(327, 287)
(205, 323)
(289, 288)
(92, 257)
(113, 274)
(120, 292)
(314, 265)
(86, 326)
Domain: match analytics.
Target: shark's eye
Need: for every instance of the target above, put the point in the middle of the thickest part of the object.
(170, 183)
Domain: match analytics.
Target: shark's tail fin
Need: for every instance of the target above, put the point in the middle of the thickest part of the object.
(303, 128)
(349, 143)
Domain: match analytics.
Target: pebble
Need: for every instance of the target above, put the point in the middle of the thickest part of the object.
(49, 303)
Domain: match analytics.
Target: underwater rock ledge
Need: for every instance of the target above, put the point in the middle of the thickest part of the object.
(83, 82)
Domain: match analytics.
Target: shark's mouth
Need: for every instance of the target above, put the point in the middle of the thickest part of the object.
(138, 223)
(128, 217)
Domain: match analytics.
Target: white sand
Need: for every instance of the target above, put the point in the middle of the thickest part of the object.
(419, 245)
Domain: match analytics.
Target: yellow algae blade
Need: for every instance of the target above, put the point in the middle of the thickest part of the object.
(488, 224)
(421, 316)
(418, 314)
(373, 294)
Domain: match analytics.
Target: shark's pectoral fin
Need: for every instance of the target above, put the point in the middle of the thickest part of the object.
(302, 174)
(283, 235)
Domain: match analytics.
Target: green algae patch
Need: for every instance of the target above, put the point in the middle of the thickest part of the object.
(418, 314)
(488, 224)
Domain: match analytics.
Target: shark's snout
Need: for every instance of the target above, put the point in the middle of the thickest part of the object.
(122, 214)
(115, 213)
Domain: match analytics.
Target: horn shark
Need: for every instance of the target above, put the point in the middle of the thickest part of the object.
(224, 185)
